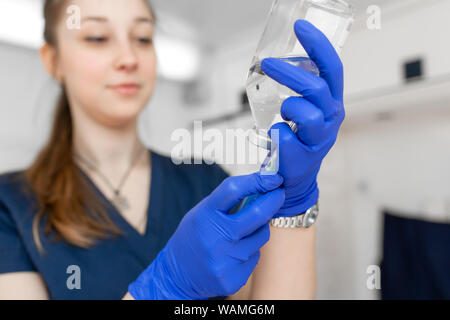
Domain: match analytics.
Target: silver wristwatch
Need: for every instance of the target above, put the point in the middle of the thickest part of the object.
(303, 220)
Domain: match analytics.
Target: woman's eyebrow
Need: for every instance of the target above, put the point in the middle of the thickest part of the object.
(94, 18)
(144, 19)
(104, 19)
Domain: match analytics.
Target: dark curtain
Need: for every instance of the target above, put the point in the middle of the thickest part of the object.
(416, 259)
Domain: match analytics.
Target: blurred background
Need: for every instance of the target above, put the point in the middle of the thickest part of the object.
(391, 159)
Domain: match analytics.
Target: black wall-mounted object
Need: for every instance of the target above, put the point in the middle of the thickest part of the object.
(413, 70)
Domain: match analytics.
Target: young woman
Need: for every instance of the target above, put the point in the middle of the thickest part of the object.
(98, 214)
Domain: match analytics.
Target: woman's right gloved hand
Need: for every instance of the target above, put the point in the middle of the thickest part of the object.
(213, 253)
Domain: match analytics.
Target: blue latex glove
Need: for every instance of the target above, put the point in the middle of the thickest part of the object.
(318, 116)
(213, 253)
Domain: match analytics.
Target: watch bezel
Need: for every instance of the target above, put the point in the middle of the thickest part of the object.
(312, 212)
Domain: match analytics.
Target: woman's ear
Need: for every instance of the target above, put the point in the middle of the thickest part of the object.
(48, 58)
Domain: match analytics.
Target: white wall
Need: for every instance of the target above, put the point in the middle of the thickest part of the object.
(400, 164)
(26, 100)
(373, 58)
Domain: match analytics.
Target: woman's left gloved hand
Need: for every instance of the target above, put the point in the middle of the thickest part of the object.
(318, 116)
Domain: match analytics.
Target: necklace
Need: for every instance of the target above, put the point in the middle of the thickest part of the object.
(118, 200)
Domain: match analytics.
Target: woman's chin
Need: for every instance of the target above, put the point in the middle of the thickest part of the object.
(120, 119)
(123, 110)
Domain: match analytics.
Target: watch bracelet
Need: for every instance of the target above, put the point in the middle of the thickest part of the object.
(296, 221)
(287, 222)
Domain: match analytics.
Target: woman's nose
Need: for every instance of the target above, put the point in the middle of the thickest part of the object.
(127, 59)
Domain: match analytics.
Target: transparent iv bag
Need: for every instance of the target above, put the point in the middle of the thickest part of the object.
(333, 17)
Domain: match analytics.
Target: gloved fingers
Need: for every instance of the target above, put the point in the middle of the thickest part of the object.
(253, 216)
(234, 189)
(248, 266)
(238, 276)
(340, 115)
(311, 87)
(251, 263)
(308, 118)
(322, 52)
(244, 248)
(285, 140)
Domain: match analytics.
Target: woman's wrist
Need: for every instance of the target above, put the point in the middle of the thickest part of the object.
(298, 202)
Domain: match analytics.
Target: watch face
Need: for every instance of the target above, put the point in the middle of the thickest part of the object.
(310, 218)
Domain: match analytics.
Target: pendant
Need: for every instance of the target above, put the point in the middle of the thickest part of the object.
(120, 202)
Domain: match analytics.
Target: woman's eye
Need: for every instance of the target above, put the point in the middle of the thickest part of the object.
(145, 40)
(96, 39)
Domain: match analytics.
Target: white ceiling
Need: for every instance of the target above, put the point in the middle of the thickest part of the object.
(208, 22)
(217, 20)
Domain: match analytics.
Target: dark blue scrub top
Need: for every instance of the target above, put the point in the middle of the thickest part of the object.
(111, 265)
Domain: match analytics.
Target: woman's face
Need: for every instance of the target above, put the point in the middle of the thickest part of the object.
(108, 65)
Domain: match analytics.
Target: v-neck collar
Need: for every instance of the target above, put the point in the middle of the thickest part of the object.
(152, 204)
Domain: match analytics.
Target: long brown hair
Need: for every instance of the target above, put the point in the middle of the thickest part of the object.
(63, 194)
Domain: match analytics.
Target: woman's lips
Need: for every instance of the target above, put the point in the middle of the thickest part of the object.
(126, 89)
